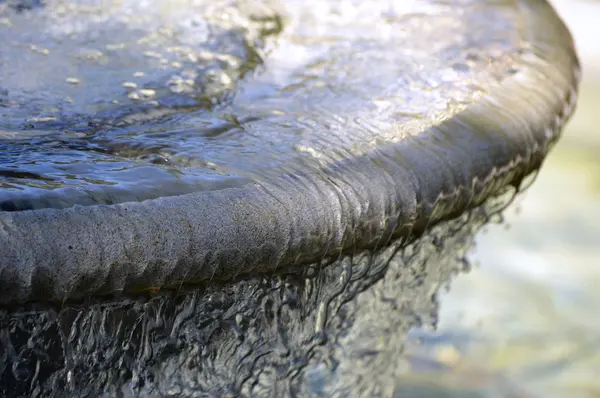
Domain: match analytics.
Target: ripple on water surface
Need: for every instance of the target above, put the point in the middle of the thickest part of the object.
(128, 100)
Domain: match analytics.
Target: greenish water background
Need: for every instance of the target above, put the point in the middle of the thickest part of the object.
(526, 315)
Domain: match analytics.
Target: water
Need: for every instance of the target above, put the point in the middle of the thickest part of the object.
(145, 100)
(402, 321)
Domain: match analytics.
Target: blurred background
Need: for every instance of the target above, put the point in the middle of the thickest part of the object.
(527, 316)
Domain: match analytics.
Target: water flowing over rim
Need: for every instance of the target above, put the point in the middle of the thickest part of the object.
(396, 191)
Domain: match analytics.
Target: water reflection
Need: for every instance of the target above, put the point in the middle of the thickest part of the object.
(195, 95)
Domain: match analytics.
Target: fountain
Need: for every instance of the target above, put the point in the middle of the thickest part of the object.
(254, 197)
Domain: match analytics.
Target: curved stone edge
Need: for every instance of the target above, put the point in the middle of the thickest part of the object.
(361, 203)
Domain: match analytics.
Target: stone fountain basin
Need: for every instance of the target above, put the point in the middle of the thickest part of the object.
(146, 147)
